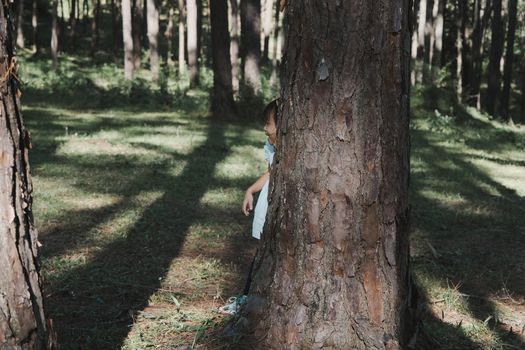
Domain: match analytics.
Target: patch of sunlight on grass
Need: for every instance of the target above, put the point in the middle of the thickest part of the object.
(442, 196)
(210, 231)
(183, 144)
(220, 197)
(510, 176)
(77, 145)
(243, 162)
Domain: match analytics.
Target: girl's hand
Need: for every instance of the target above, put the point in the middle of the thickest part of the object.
(247, 203)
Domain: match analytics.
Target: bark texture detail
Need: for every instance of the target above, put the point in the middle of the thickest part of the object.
(333, 269)
(22, 321)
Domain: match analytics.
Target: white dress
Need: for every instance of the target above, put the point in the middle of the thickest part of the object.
(259, 214)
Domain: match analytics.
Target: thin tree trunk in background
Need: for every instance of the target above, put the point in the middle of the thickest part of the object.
(234, 45)
(439, 7)
(193, 62)
(332, 270)
(222, 104)
(94, 27)
(182, 46)
(19, 25)
(22, 320)
(169, 36)
(431, 33)
(509, 57)
(54, 33)
(127, 39)
(153, 38)
(266, 20)
(415, 43)
(496, 51)
(276, 49)
(461, 47)
(62, 23)
(475, 75)
(136, 29)
(422, 20)
(199, 29)
(115, 27)
(34, 24)
(251, 45)
(73, 25)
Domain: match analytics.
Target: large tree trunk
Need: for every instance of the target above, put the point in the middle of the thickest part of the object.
(509, 57)
(54, 33)
(136, 29)
(182, 46)
(496, 51)
(333, 268)
(19, 25)
(22, 321)
(222, 96)
(193, 62)
(251, 45)
(153, 38)
(128, 39)
(234, 45)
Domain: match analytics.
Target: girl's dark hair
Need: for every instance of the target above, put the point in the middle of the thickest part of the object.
(271, 110)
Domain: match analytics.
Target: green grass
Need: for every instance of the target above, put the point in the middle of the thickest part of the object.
(468, 183)
(137, 201)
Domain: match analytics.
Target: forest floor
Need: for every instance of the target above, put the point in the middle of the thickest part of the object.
(137, 199)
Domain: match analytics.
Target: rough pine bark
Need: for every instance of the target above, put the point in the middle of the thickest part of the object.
(193, 62)
(182, 46)
(127, 39)
(153, 38)
(333, 268)
(222, 105)
(251, 45)
(496, 51)
(509, 58)
(22, 322)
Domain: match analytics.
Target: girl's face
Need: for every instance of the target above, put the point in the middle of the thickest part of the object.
(270, 129)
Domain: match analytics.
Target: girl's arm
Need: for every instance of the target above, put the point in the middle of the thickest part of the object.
(247, 203)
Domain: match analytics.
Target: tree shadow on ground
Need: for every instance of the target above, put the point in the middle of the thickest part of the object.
(103, 295)
(474, 243)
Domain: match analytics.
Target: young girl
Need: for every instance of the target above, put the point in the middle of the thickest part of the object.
(270, 129)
